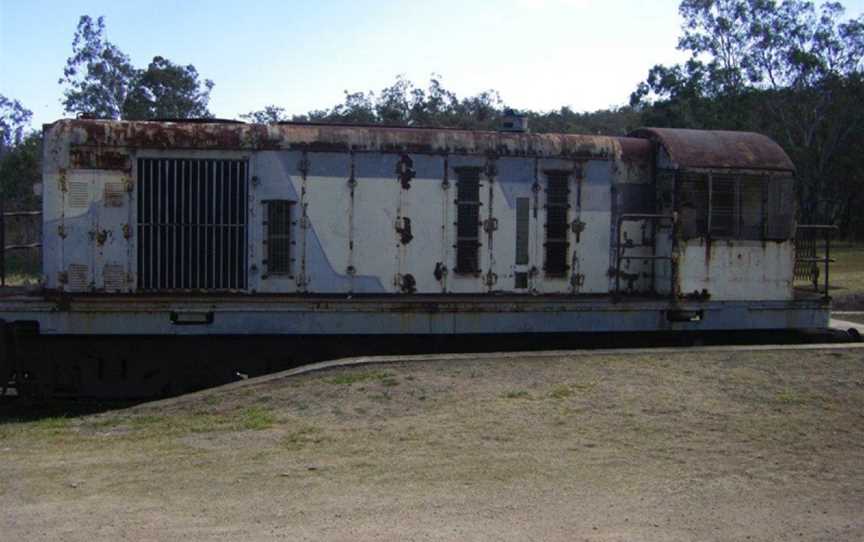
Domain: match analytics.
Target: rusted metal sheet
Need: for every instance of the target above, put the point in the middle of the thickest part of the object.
(635, 151)
(98, 158)
(338, 138)
(718, 149)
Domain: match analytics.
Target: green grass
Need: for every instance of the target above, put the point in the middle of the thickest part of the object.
(256, 418)
(300, 437)
(252, 418)
(847, 273)
(349, 378)
(56, 424)
(561, 391)
(517, 394)
(22, 269)
(789, 396)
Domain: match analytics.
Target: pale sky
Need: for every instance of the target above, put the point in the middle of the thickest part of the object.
(539, 54)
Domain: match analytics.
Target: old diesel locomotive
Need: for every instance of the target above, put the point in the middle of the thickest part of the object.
(155, 232)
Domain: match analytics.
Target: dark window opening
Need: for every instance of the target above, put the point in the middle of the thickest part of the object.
(520, 280)
(751, 213)
(278, 237)
(780, 209)
(724, 206)
(693, 204)
(467, 220)
(728, 206)
(557, 207)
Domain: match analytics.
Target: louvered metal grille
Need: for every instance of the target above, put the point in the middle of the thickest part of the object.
(279, 237)
(724, 205)
(557, 206)
(522, 230)
(468, 220)
(752, 208)
(192, 224)
(805, 254)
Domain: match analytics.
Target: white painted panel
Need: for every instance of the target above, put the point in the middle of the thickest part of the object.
(376, 205)
(502, 252)
(593, 251)
(421, 203)
(328, 206)
(112, 209)
(76, 228)
(738, 270)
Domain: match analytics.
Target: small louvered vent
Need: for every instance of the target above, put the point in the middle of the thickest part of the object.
(78, 277)
(114, 194)
(114, 277)
(78, 196)
(192, 224)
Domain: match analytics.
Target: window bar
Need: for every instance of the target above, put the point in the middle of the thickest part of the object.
(211, 235)
(157, 259)
(241, 202)
(175, 226)
(198, 242)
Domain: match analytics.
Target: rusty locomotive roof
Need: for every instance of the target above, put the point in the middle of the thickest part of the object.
(718, 149)
(342, 138)
(686, 148)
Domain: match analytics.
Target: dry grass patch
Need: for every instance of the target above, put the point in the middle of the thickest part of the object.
(463, 440)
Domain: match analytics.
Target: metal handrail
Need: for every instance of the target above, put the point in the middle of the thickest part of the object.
(826, 260)
(619, 246)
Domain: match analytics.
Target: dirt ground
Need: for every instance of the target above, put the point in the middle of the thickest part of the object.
(765, 445)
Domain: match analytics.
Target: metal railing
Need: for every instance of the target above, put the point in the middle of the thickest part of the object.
(809, 257)
(8, 248)
(621, 246)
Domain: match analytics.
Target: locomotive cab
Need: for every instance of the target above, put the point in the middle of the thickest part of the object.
(731, 196)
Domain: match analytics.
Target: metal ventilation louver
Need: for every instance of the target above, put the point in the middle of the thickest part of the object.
(192, 217)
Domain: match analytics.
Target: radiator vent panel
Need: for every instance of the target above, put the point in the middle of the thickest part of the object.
(192, 217)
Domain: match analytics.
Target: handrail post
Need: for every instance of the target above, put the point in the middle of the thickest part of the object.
(2, 243)
(827, 260)
(618, 257)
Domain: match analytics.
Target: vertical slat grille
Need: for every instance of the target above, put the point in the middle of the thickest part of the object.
(805, 253)
(751, 210)
(468, 220)
(192, 224)
(557, 206)
(522, 225)
(279, 237)
(746, 207)
(723, 205)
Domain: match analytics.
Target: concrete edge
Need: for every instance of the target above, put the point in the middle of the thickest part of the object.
(846, 325)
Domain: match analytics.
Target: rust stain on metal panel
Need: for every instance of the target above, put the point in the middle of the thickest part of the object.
(340, 138)
(719, 149)
(96, 158)
(635, 151)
